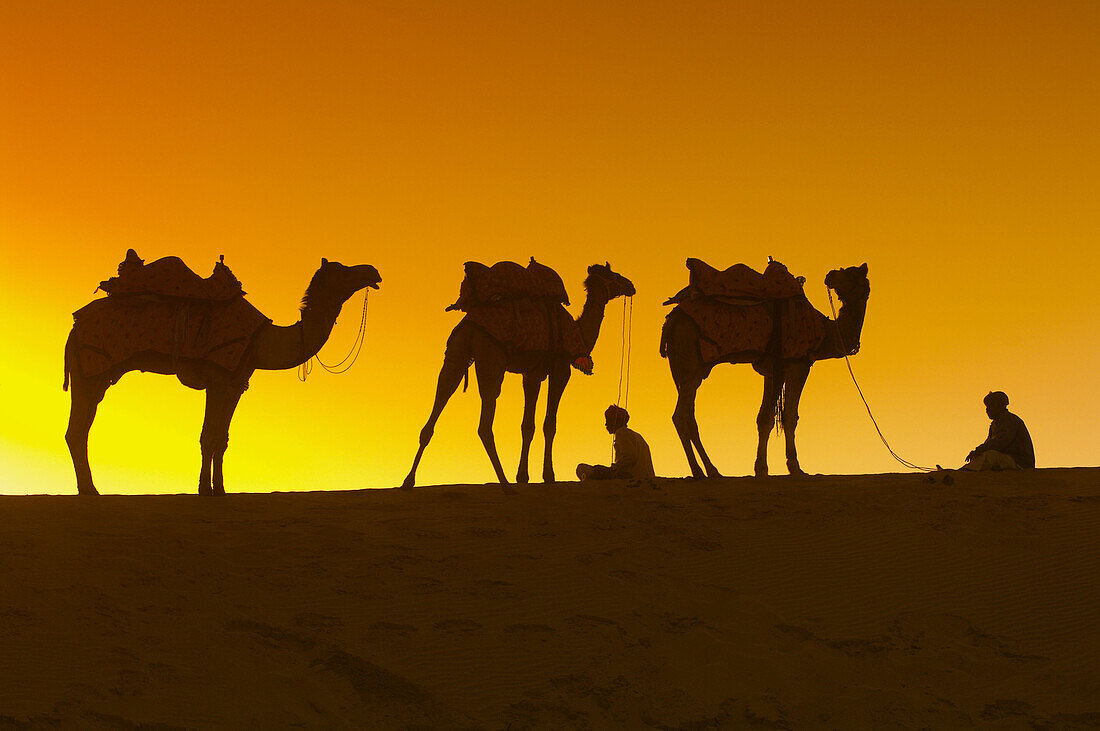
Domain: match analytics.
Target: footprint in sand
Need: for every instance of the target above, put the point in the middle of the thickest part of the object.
(529, 628)
(484, 532)
(678, 625)
(400, 629)
(457, 625)
(310, 620)
(591, 621)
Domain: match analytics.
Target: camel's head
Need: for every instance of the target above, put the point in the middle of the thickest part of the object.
(602, 276)
(334, 282)
(851, 283)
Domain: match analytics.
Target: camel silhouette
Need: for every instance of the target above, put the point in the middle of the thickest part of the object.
(784, 379)
(271, 347)
(470, 343)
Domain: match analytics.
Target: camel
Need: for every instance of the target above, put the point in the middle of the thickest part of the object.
(783, 379)
(470, 343)
(272, 348)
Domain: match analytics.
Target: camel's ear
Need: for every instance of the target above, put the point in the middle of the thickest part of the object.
(324, 261)
(863, 269)
(608, 265)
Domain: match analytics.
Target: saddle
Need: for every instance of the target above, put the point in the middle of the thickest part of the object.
(740, 310)
(170, 277)
(484, 286)
(738, 285)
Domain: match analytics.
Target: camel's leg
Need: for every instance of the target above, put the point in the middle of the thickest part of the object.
(687, 427)
(490, 375)
(531, 387)
(688, 373)
(693, 433)
(209, 436)
(450, 375)
(794, 381)
(685, 404)
(86, 395)
(220, 438)
(559, 379)
(765, 422)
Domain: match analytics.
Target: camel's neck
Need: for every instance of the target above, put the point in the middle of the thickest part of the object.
(846, 329)
(591, 318)
(278, 348)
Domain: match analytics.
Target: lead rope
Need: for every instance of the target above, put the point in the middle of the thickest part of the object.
(840, 346)
(623, 396)
(344, 365)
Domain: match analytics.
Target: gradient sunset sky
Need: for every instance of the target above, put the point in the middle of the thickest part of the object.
(953, 146)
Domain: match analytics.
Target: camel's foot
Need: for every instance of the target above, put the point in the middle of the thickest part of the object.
(409, 482)
(87, 490)
(219, 489)
(522, 478)
(712, 471)
(794, 469)
(548, 477)
(206, 490)
(760, 468)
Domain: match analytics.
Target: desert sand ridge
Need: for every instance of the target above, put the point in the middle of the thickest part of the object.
(818, 602)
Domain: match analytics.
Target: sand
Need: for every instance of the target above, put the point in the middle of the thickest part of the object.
(822, 602)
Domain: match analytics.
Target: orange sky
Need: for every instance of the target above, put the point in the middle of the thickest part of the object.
(951, 145)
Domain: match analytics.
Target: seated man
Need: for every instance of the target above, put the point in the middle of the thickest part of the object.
(1009, 444)
(632, 458)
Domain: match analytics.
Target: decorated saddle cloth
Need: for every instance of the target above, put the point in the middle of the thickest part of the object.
(161, 314)
(740, 310)
(527, 325)
(506, 280)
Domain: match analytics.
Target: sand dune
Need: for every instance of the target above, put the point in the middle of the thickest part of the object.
(831, 602)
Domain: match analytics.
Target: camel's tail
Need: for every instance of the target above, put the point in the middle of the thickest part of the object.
(779, 407)
(666, 334)
(68, 366)
(466, 375)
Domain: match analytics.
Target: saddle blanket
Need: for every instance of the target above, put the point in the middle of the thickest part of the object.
(110, 330)
(526, 325)
(790, 328)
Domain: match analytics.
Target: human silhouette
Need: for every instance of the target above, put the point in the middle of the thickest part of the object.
(515, 323)
(632, 458)
(164, 318)
(739, 315)
(1008, 446)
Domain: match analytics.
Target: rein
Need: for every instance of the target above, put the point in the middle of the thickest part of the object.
(623, 397)
(348, 360)
(846, 352)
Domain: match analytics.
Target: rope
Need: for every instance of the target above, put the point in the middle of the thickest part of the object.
(348, 360)
(623, 396)
(867, 406)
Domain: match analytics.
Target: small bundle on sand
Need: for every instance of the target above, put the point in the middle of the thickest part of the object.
(740, 310)
(166, 308)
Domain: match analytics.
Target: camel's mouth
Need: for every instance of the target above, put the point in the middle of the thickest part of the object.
(373, 285)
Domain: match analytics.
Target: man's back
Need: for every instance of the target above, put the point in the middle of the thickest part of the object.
(632, 457)
(1009, 435)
